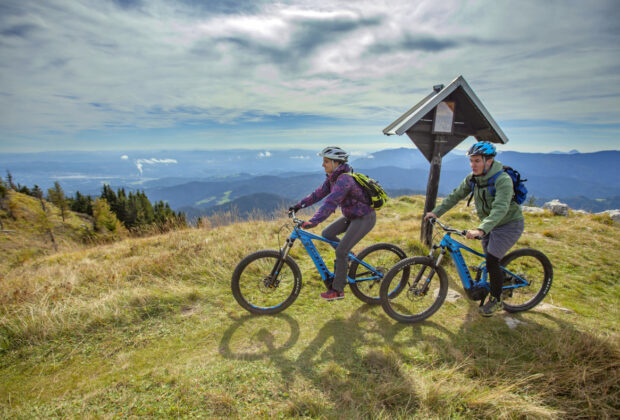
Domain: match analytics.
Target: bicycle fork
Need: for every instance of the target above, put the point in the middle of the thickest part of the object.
(427, 282)
(272, 280)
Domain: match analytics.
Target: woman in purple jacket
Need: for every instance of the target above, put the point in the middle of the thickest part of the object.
(358, 216)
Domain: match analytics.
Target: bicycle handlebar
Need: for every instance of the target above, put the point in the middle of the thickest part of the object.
(298, 222)
(447, 228)
(432, 220)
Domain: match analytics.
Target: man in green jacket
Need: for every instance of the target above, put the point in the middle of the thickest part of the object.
(501, 218)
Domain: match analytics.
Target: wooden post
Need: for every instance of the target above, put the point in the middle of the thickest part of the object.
(432, 187)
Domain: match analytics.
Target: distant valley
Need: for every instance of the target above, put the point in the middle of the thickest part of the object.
(204, 182)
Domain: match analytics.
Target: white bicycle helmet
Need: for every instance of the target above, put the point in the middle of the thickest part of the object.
(334, 153)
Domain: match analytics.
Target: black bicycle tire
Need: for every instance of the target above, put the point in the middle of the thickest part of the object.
(441, 296)
(238, 295)
(546, 284)
(357, 291)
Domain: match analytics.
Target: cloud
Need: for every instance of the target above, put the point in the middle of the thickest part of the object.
(358, 153)
(220, 7)
(141, 162)
(411, 42)
(73, 72)
(288, 39)
(19, 30)
(128, 4)
(264, 154)
(124, 157)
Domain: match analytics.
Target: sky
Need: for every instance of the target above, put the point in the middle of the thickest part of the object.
(187, 74)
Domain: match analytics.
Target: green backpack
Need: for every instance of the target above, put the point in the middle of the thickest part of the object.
(375, 193)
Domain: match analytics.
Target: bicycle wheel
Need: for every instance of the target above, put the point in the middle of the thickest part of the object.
(531, 266)
(257, 291)
(424, 290)
(382, 257)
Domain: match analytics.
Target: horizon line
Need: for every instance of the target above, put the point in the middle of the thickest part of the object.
(248, 149)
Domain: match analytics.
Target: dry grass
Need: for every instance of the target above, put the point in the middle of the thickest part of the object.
(147, 327)
(29, 239)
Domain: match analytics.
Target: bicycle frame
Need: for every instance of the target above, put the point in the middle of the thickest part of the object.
(453, 247)
(306, 239)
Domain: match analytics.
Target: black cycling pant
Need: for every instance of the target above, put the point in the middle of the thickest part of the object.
(496, 276)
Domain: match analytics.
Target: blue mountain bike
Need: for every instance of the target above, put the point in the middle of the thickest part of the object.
(528, 274)
(269, 281)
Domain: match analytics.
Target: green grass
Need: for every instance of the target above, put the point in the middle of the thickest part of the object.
(148, 328)
(205, 201)
(225, 198)
(29, 237)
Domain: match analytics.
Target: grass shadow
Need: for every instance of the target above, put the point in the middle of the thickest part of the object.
(256, 337)
(346, 360)
(574, 373)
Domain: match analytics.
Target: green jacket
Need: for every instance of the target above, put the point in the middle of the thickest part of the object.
(492, 211)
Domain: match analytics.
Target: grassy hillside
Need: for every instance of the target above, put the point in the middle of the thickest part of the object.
(148, 328)
(28, 230)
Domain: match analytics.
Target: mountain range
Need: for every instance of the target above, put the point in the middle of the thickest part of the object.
(202, 182)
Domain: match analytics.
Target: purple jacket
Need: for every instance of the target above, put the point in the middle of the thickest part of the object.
(341, 190)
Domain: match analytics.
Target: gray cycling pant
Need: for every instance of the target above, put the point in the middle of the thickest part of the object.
(501, 238)
(355, 230)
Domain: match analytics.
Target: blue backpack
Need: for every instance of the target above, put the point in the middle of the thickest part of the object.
(519, 188)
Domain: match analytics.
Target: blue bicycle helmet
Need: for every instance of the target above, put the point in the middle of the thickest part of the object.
(482, 148)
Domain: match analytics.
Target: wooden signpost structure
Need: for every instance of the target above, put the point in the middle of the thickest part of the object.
(439, 123)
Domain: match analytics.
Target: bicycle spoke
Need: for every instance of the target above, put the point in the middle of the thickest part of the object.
(257, 289)
(381, 257)
(421, 296)
(260, 289)
(530, 279)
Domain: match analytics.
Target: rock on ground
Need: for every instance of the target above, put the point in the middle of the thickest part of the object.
(528, 209)
(556, 207)
(512, 322)
(614, 214)
(547, 306)
(452, 295)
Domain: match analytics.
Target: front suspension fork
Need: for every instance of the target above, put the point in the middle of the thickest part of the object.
(427, 282)
(275, 271)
